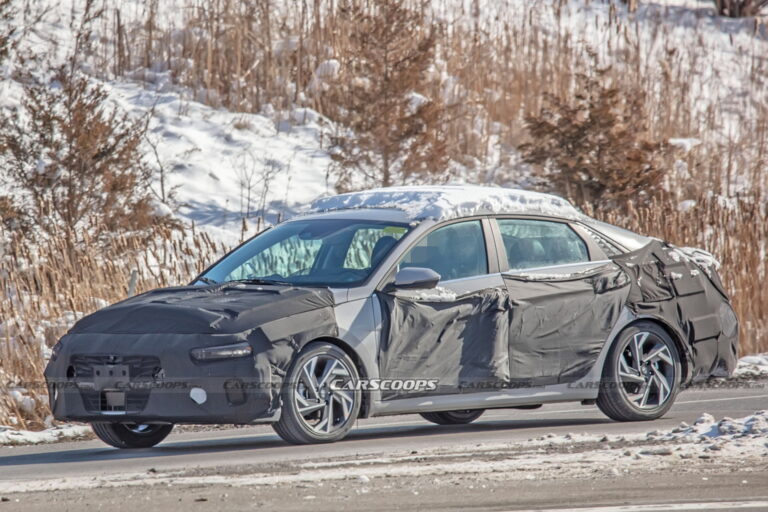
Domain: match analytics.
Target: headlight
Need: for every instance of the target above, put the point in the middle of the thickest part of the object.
(222, 352)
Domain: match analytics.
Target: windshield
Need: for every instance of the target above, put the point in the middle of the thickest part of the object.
(320, 252)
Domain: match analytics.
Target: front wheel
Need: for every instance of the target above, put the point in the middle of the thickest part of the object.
(641, 376)
(453, 417)
(320, 397)
(131, 435)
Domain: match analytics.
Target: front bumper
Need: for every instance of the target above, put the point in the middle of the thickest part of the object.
(148, 379)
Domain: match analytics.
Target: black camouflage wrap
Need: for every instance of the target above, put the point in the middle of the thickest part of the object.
(551, 329)
(151, 335)
(461, 342)
(690, 300)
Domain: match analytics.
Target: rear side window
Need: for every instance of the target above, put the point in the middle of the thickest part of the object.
(454, 251)
(540, 243)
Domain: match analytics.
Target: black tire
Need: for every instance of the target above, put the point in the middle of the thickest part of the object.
(130, 435)
(297, 429)
(453, 417)
(615, 398)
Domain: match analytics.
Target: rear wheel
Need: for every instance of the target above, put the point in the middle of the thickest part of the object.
(453, 417)
(131, 435)
(320, 397)
(641, 376)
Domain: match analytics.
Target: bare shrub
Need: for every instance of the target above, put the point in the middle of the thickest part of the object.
(594, 147)
(7, 14)
(391, 127)
(740, 8)
(75, 161)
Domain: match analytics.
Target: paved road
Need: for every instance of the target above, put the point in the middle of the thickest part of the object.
(258, 444)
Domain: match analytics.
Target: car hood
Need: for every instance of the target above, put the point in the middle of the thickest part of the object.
(217, 309)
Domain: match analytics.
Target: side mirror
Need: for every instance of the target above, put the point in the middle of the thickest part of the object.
(416, 278)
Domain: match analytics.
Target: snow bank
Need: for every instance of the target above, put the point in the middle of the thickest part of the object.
(732, 443)
(752, 367)
(223, 166)
(11, 436)
(727, 429)
(451, 201)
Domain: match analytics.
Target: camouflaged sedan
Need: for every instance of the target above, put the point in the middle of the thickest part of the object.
(442, 301)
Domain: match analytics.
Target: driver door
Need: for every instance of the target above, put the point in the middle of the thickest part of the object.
(455, 334)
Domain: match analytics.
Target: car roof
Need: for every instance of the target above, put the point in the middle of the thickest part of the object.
(365, 214)
(444, 202)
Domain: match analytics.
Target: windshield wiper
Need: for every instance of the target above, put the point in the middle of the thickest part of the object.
(207, 280)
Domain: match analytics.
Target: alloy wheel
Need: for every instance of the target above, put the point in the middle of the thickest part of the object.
(324, 394)
(646, 371)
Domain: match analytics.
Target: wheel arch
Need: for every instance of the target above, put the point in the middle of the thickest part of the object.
(365, 406)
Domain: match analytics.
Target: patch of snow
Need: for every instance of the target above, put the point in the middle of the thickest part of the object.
(328, 69)
(451, 201)
(751, 367)
(12, 436)
(416, 101)
(684, 206)
(734, 442)
(437, 294)
(685, 144)
(701, 257)
(753, 427)
(223, 167)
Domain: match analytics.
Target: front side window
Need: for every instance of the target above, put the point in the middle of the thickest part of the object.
(454, 251)
(319, 252)
(540, 243)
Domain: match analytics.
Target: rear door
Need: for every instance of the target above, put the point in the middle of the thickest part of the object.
(449, 335)
(565, 298)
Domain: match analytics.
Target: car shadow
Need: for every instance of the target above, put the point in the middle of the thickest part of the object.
(359, 435)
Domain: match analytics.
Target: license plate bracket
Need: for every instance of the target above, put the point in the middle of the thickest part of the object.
(111, 376)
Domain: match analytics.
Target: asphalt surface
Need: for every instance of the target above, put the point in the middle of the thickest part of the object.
(258, 445)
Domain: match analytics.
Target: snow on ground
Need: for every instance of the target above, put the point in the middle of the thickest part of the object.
(218, 166)
(222, 166)
(12, 436)
(752, 367)
(708, 443)
(450, 201)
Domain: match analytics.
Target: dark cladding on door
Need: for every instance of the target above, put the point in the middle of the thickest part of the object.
(548, 324)
(533, 331)
(560, 322)
(461, 343)
(455, 333)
